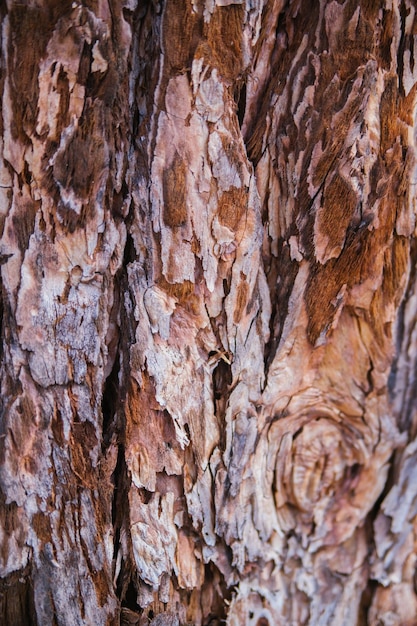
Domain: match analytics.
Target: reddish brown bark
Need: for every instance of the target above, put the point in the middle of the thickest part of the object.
(208, 308)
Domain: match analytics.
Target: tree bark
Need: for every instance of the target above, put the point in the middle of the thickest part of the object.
(208, 341)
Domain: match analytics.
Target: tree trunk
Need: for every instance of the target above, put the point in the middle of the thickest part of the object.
(209, 305)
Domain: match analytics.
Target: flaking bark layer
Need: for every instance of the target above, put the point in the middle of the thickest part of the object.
(208, 298)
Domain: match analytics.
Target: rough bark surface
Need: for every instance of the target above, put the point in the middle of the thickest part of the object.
(209, 304)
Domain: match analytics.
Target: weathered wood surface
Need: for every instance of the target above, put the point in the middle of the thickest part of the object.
(208, 312)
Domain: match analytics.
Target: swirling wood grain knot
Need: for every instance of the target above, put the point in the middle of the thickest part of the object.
(320, 474)
(321, 455)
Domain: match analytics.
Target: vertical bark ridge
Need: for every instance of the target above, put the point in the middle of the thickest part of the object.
(338, 119)
(63, 161)
(196, 290)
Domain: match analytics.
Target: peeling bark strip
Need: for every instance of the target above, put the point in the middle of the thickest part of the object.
(208, 298)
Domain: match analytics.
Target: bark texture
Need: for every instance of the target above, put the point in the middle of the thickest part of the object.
(209, 304)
